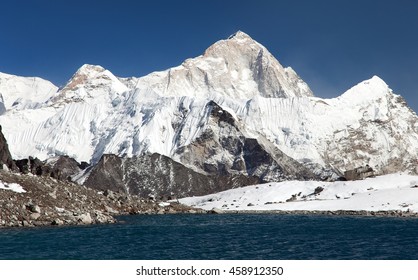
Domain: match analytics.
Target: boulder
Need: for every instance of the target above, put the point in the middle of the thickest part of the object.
(57, 222)
(359, 173)
(85, 219)
(34, 208)
(34, 216)
(216, 211)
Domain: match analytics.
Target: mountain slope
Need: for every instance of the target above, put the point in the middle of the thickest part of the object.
(158, 176)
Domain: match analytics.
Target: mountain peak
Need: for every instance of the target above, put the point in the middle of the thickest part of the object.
(238, 43)
(90, 80)
(24, 92)
(375, 84)
(239, 35)
(85, 73)
(237, 67)
(88, 69)
(377, 81)
(367, 91)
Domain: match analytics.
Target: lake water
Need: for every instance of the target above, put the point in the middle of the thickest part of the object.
(229, 236)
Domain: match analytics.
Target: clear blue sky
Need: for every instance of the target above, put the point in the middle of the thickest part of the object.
(332, 45)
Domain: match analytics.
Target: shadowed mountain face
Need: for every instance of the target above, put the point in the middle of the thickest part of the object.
(158, 176)
(5, 157)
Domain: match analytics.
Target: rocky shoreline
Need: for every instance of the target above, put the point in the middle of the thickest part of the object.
(50, 202)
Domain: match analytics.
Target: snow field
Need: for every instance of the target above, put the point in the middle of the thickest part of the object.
(389, 192)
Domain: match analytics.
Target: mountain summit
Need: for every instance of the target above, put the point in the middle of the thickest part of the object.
(237, 67)
(234, 110)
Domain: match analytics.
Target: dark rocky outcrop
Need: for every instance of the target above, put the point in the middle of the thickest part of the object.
(5, 157)
(359, 173)
(156, 175)
(60, 168)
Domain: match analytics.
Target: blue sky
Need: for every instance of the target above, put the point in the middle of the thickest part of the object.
(332, 45)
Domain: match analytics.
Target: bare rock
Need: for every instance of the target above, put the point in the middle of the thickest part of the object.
(217, 211)
(102, 218)
(110, 210)
(34, 216)
(5, 157)
(318, 190)
(57, 222)
(34, 208)
(25, 223)
(85, 219)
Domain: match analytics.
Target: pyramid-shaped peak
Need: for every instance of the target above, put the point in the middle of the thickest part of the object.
(366, 91)
(240, 35)
(87, 69)
(92, 77)
(238, 43)
(377, 81)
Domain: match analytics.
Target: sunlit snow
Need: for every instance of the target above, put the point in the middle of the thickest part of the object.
(388, 192)
(12, 187)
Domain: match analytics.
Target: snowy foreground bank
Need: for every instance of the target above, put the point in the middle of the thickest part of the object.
(383, 193)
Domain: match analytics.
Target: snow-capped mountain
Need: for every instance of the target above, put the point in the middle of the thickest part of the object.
(236, 68)
(368, 124)
(206, 113)
(24, 93)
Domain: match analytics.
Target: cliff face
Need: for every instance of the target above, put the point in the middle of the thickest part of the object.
(158, 176)
(5, 157)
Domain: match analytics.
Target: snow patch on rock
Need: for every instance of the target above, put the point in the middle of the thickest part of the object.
(14, 187)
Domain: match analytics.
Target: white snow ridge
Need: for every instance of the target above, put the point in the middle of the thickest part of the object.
(165, 112)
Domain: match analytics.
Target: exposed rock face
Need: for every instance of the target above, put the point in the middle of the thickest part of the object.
(158, 176)
(222, 148)
(359, 173)
(60, 168)
(5, 157)
(2, 106)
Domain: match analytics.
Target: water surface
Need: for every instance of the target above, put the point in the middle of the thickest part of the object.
(229, 236)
